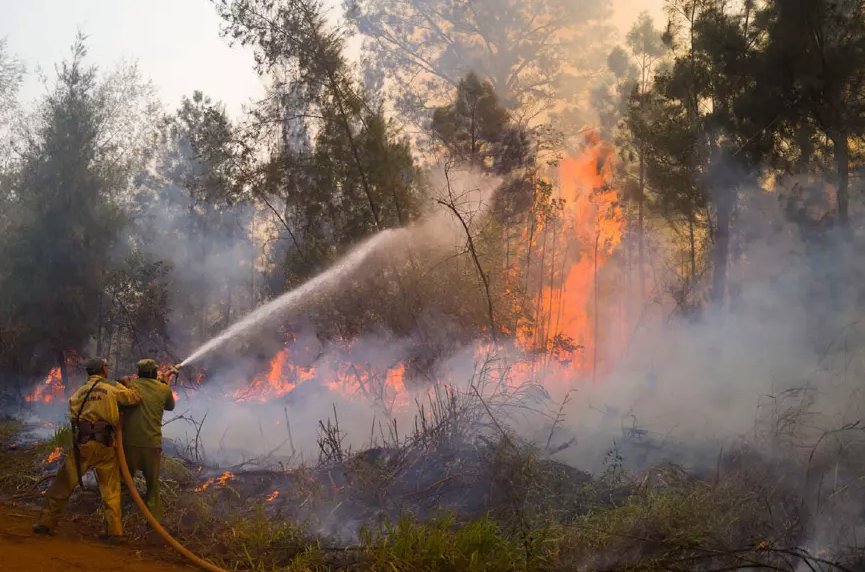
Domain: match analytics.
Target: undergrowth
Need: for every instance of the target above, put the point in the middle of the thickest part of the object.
(548, 518)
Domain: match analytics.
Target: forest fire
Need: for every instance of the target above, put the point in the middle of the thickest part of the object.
(568, 250)
(581, 240)
(50, 389)
(282, 377)
(350, 378)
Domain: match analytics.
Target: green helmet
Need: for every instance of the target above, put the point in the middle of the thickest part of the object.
(95, 365)
(147, 366)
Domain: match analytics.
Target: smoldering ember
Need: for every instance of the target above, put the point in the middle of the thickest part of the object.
(432, 285)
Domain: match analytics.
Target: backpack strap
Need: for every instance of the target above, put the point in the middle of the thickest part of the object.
(75, 434)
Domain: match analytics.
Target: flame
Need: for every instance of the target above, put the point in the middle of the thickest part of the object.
(272, 496)
(395, 379)
(54, 456)
(574, 249)
(560, 258)
(220, 481)
(282, 377)
(352, 378)
(50, 389)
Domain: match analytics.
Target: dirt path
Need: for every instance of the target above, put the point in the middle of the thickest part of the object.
(69, 549)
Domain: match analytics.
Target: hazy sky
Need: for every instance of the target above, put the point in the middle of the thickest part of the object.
(175, 42)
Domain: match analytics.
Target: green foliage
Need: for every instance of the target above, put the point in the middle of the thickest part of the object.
(476, 129)
(257, 542)
(62, 437)
(66, 225)
(653, 529)
(812, 73)
(440, 545)
(337, 171)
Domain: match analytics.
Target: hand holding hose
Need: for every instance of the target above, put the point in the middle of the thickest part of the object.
(169, 372)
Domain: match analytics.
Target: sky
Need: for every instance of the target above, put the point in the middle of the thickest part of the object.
(176, 43)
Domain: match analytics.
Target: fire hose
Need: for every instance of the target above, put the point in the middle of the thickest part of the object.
(157, 527)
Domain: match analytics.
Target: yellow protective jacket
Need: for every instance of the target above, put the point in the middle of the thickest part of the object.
(102, 403)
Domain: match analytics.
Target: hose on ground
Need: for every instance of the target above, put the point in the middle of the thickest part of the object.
(130, 484)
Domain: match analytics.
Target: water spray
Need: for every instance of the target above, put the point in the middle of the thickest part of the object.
(292, 299)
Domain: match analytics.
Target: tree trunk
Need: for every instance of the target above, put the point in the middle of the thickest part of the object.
(641, 260)
(721, 247)
(842, 163)
(693, 276)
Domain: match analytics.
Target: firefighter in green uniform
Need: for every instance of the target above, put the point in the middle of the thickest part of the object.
(94, 415)
(142, 429)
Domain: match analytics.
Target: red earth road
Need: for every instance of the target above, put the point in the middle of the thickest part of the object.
(69, 550)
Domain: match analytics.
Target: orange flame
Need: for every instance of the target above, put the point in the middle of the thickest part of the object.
(282, 377)
(576, 246)
(272, 496)
(220, 481)
(50, 389)
(564, 251)
(54, 456)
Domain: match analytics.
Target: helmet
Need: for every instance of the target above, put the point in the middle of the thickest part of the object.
(146, 366)
(95, 365)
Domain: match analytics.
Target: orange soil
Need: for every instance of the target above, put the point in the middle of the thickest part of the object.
(69, 549)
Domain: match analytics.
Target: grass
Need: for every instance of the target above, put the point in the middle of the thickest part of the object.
(20, 466)
(652, 529)
(256, 542)
(440, 545)
(614, 521)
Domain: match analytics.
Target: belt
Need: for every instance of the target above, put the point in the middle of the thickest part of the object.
(99, 431)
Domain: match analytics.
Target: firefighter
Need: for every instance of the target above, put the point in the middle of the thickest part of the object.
(94, 414)
(142, 429)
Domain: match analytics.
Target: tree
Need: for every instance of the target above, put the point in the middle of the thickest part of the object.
(66, 222)
(536, 53)
(192, 212)
(477, 130)
(815, 64)
(634, 70)
(696, 123)
(11, 71)
(644, 42)
(336, 170)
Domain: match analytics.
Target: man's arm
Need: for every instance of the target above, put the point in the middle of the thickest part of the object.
(169, 400)
(126, 396)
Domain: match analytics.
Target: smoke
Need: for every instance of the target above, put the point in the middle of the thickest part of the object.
(438, 234)
(688, 384)
(437, 231)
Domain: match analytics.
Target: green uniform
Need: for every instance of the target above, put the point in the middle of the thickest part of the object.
(142, 436)
(101, 406)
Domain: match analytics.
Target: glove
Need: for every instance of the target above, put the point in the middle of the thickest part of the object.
(168, 372)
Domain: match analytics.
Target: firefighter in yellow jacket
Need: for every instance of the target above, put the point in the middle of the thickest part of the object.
(94, 413)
